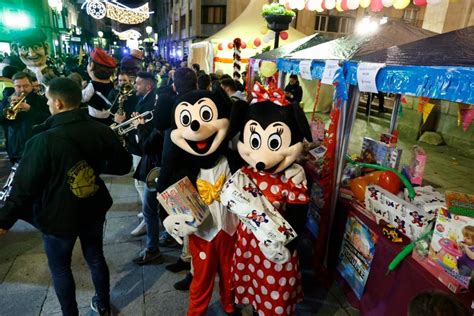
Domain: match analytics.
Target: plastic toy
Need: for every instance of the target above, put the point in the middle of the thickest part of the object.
(447, 256)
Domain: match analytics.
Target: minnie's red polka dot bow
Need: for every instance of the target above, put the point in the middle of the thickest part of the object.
(273, 94)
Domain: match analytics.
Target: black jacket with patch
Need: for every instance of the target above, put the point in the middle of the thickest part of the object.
(57, 186)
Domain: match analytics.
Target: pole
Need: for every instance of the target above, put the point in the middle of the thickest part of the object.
(277, 39)
(394, 117)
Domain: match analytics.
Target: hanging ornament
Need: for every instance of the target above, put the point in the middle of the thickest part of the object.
(264, 30)
(284, 35)
(376, 5)
(387, 3)
(466, 117)
(401, 4)
(420, 3)
(220, 46)
(365, 3)
(427, 110)
(257, 42)
(330, 4)
(352, 4)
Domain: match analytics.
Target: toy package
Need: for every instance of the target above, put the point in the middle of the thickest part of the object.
(428, 201)
(406, 217)
(182, 198)
(452, 245)
(317, 129)
(374, 151)
(416, 169)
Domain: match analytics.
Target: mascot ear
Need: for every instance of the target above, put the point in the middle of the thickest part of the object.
(238, 117)
(302, 121)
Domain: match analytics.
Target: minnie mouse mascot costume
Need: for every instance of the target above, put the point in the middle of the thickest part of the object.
(265, 266)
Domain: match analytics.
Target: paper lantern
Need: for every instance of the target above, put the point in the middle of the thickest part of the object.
(401, 4)
(264, 30)
(243, 45)
(230, 46)
(387, 3)
(330, 4)
(257, 42)
(365, 3)
(219, 47)
(284, 35)
(420, 3)
(376, 5)
(268, 68)
(352, 4)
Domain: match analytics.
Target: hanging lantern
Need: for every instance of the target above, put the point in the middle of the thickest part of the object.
(420, 3)
(387, 3)
(352, 4)
(257, 42)
(401, 4)
(376, 5)
(365, 3)
(284, 35)
(330, 4)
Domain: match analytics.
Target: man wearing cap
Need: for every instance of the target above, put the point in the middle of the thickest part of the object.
(33, 50)
(100, 68)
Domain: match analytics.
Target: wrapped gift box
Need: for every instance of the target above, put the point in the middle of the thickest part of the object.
(396, 211)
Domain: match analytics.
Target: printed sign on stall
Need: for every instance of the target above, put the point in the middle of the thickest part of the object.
(305, 69)
(366, 74)
(329, 71)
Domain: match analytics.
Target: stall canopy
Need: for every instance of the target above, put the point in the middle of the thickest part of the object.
(438, 67)
(304, 43)
(352, 46)
(248, 26)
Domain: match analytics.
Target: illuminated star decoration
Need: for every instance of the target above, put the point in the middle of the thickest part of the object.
(114, 10)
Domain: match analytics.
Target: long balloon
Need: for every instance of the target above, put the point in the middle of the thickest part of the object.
(405, 252)
(411, 191)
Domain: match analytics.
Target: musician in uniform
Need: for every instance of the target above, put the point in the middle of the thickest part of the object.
(59, 186)
(100, 68)
(31, 111)
(128, 106)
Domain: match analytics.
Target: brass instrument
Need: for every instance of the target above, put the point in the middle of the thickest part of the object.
(127, 126)
(11, 112)
(125, 91)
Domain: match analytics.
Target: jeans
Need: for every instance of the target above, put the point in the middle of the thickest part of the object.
(59, 252)
(150, 213)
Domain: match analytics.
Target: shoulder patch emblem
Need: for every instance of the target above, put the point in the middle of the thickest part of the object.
(81, 179)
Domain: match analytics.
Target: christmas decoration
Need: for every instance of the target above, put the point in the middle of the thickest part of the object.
(237, 44)
(116, 11)
(257, 42)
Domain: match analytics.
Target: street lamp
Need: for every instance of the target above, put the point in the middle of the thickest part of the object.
(148, 30)
(101, 35)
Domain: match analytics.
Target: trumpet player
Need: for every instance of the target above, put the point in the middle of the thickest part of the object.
(28, 109)
(122, 112)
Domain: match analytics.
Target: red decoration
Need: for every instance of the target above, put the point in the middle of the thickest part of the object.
(230, 46)
(257, 42)
(344, 5)
(284, 35)
(323, 5)
(376, 5)
(237, 44)
(244, 45)
(219, 47)
(273, 94)
(420, 3)
(390, 181)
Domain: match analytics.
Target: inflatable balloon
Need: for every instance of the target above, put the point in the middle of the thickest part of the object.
(376, 5)
(365, 3)
(330, 4)
(434, 2)
(264, 30)
(344, 5)
(243, 45)
(420, 3)
(257, 42)
(219, 47)
(230, 46)
(266, 40)
(389, 181)
(313, 4)
(300, 4)
(284, 35)
(401, 4)
(387, 3)
(358, 186)
(338, 6)
(352, 4)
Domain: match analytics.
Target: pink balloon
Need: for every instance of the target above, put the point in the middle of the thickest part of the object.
(344, 5)
(420, 3)
(230, 46)
(376, 5)
(257, 42)
(284, 35)
(243, 45)
(219, 47)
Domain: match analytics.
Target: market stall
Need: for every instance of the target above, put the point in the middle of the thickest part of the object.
(217, 51)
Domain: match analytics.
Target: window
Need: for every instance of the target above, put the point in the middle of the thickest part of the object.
(182, 21)
(213, 14)
(334, 24)
(190, 18)
(410, 14)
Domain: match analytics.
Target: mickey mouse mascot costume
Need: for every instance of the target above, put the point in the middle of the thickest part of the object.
(201, 123)
(265, 266)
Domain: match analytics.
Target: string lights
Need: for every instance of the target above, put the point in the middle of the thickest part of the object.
(344, 5)
(114, 10)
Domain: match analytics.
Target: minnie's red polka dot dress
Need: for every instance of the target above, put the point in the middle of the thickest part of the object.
(272, 289)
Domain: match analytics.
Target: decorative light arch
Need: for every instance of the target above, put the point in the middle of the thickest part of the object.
(117, 11)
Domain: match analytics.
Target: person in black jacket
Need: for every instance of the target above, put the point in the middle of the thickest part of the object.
(33, 111)
(59, 190)
(293, 90)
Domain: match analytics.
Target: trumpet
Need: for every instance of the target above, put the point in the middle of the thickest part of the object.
(127, 126)
(11, 112)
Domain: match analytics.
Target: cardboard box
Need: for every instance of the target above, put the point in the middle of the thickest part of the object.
(428, 201)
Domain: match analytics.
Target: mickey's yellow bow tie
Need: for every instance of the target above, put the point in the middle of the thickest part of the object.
(208, 192)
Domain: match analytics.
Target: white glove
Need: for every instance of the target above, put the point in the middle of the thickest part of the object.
(275, 252)
(296, 173)
(178, 227)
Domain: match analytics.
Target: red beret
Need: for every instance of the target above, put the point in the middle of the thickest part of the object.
(100, 57)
